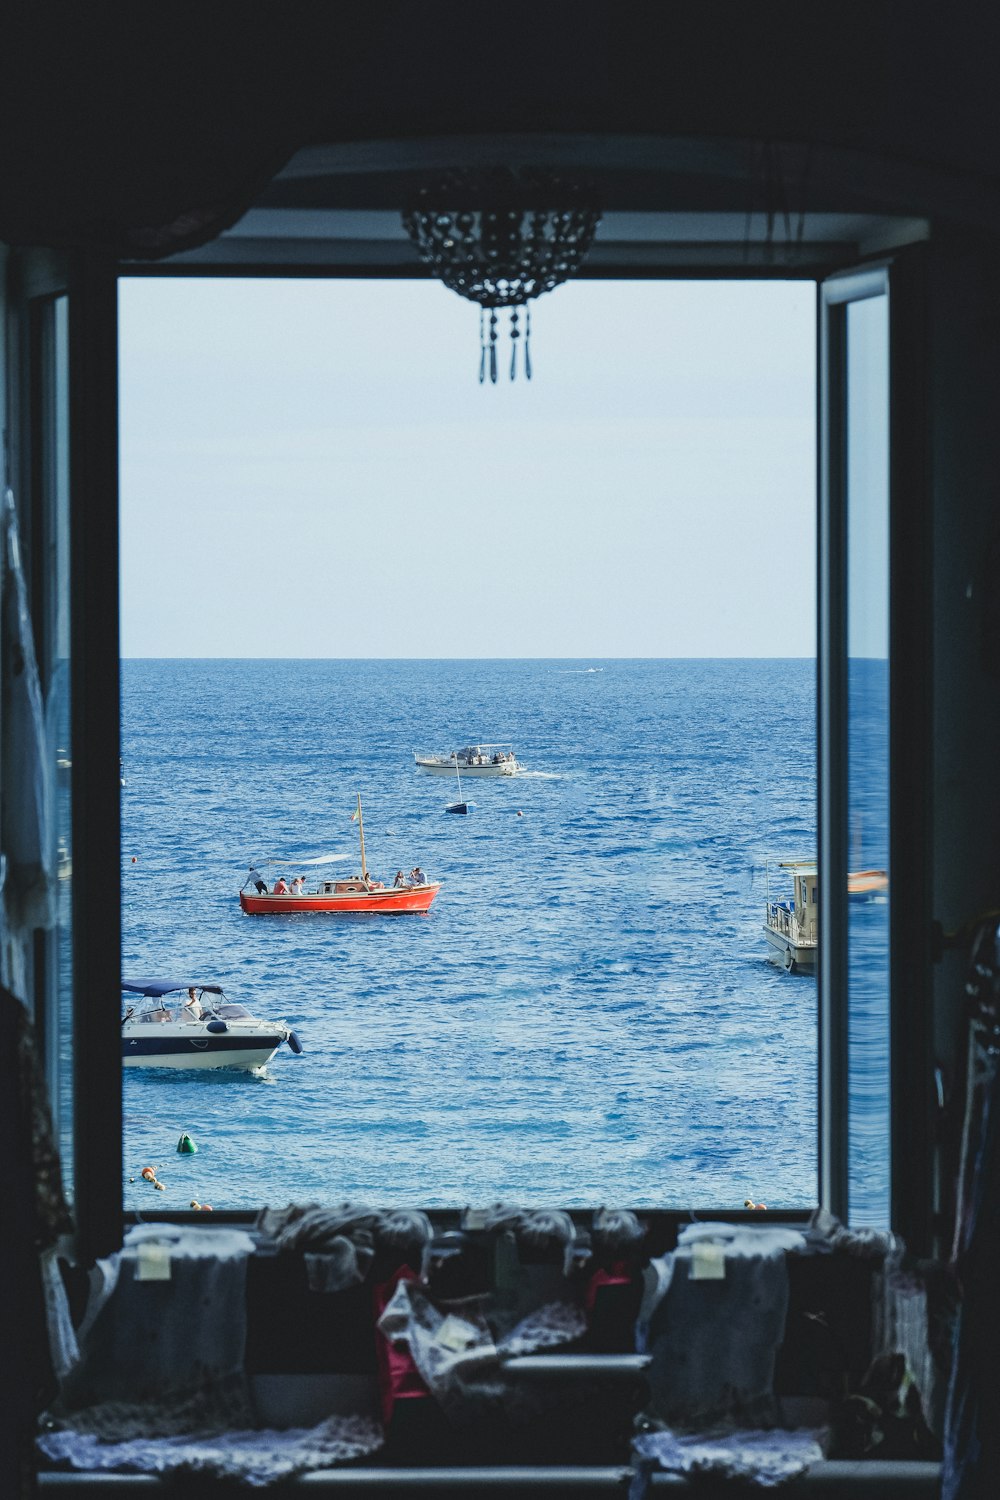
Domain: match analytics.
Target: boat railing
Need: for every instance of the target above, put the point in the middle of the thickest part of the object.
(781, 918)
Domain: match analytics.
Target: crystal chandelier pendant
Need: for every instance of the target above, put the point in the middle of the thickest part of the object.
(500, 238)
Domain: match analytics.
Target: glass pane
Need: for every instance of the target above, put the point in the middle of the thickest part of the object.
(53, 645)
(868, 759)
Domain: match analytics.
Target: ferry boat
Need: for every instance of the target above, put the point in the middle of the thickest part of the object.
(791, 926)
(355, 893)
(472, 760)
(170, 1023)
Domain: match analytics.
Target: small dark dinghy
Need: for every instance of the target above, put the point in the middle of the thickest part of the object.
(460, 806)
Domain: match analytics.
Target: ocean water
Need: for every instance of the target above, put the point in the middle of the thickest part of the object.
(585, 1016)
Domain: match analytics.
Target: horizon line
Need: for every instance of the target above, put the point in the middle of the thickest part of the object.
(698, 657)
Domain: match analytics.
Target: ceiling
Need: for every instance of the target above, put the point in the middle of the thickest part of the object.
(676, 206)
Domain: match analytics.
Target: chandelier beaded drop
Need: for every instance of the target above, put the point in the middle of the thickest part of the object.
(501, 238)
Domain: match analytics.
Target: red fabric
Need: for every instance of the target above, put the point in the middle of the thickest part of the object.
(398, 1377)
(617, 1274)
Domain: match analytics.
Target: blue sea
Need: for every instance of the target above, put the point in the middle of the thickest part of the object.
(585, 1016)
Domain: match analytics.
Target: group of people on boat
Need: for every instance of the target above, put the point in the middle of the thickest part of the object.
(281, 885)
(473, 756)
(297, 887)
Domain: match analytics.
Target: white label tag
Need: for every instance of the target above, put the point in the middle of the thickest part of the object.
(474, 1218)
(154, 1263)
(708, 1261)
(454, 1334)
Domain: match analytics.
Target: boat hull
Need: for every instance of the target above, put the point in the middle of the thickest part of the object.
(788, 954)
(868, 885)
(242, 1053)
(392, 899)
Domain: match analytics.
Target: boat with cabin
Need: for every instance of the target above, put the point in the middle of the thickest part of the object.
(171, 1023)
(791, 926)
(338, 894)
(472, 760)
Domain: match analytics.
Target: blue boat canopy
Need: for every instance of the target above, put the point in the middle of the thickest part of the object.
(159, 987)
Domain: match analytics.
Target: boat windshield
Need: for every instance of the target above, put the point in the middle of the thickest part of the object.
(231, 1012)
(155, 1013)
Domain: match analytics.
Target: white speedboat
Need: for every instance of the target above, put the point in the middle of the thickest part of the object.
(472, 760)
(168, 1024)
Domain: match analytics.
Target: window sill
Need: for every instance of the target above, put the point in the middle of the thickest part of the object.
(827, 1481)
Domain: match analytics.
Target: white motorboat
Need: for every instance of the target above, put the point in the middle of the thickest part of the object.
(170, 1024)
(472, 760)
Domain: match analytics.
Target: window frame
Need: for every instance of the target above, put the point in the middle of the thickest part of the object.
(902, 278)
(92, 284)
(88, 280)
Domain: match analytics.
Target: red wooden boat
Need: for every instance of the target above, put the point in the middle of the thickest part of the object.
(355, 893)
(344, 895)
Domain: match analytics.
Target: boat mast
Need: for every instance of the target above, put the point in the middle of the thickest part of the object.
(361, 831)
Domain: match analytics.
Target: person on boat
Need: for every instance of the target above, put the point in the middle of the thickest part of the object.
(375, 885)
(298, 885)
(280, 888)
(256, 880)
(400, 878)
(417, 876)
(192, 1005)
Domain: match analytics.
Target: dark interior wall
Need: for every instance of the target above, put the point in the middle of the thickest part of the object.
(120, 123)
(964, 336)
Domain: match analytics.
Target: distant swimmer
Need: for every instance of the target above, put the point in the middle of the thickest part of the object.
(520, 813)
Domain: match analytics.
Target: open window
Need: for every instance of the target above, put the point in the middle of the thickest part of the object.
(848, 329)
(588, 1014)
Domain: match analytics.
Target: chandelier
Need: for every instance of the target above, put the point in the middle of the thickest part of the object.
(502, 237)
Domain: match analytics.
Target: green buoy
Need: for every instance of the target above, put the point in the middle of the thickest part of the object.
(186, 1145)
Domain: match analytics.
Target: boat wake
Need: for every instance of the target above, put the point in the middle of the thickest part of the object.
(163, 1079)
(577, 671)
(539, 776)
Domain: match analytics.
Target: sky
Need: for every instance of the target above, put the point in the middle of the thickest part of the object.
(311, 468)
